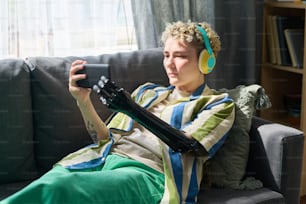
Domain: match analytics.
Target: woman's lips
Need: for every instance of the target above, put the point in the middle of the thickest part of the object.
(172, 74)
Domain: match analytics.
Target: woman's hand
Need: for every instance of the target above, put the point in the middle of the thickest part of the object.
(80, 94)
(95, 126)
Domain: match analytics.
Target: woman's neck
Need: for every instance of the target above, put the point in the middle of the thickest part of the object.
(190, 88)
(178, 93)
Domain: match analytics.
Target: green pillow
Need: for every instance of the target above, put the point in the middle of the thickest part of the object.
(227, 167)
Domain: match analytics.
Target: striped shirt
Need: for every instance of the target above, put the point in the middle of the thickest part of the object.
(205, 116)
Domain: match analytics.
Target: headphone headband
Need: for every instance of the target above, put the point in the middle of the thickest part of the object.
(206, 39)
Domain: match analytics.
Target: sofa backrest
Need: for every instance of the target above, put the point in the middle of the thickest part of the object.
(58, 127)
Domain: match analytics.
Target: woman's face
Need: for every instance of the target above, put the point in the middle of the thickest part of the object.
(181, 65)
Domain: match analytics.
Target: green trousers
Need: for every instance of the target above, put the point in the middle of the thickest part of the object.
(119, 180)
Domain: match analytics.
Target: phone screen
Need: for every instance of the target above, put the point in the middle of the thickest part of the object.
(93, 74)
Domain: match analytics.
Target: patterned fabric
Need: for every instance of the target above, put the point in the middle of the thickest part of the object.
(205, 116)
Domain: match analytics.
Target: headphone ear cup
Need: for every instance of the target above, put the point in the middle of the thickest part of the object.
(206, 62)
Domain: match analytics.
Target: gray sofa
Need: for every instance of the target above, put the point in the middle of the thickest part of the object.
(40, 123)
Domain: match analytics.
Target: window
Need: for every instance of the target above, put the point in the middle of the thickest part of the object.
(65, 27)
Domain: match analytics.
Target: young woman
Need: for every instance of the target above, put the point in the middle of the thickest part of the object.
(128, 163)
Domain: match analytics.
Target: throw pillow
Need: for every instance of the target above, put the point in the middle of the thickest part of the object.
(227, 167)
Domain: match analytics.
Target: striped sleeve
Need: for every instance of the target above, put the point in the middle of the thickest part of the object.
(212, 124)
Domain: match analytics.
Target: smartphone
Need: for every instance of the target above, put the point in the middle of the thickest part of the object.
(93, 74)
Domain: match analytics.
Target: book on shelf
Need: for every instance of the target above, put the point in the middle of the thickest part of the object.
(282, 23)
(295, 42)
(270, 40)
(276, 40)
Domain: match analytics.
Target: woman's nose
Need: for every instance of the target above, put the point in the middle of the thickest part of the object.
(169, 61)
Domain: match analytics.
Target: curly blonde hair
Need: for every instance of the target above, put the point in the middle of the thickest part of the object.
(190, 33)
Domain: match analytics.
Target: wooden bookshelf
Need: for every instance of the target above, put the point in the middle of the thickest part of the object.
(280, 81)
(303, 200)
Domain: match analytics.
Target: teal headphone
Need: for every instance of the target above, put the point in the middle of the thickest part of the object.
(207, 58)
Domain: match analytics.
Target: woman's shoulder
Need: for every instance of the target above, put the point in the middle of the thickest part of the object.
(216, 97)
(149, 86)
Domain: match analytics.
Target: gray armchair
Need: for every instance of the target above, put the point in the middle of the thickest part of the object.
(275, 158)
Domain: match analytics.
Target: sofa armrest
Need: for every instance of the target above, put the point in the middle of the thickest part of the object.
(276, 153)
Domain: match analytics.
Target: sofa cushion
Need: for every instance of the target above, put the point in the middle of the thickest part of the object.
(16, 145)
(228, 166)
(58, 126)
(231, 196)
(131, 69)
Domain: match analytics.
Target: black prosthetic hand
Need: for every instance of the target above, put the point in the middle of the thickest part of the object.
(117, 99)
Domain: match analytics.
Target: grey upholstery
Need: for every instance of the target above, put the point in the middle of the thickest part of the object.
(40, 123)
(277, 152)
(273, 148)
(231, 196)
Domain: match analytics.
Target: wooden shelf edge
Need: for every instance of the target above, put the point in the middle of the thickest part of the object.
(285, 68)
(295, 4)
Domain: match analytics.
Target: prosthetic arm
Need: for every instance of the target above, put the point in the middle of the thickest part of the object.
(117, 99)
